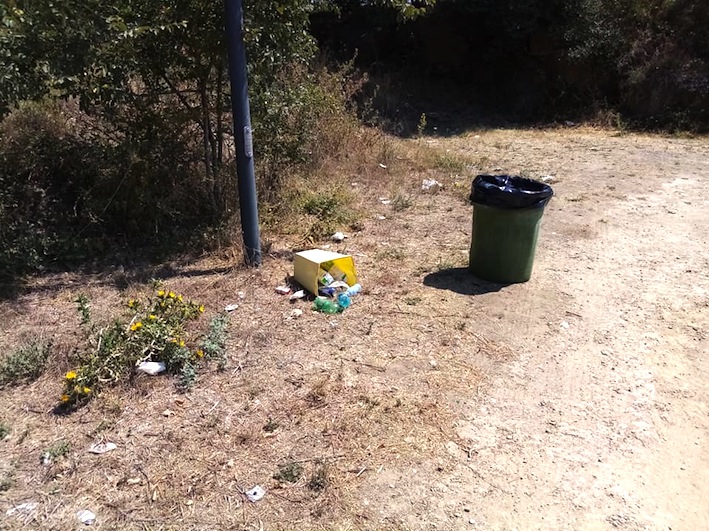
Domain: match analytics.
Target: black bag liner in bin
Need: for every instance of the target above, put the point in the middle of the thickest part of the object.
(510, 192)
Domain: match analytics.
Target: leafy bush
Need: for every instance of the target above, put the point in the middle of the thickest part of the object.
(45, 172)
(25, 364)
(153, 330)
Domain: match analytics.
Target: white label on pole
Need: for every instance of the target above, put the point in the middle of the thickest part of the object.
(248, 142)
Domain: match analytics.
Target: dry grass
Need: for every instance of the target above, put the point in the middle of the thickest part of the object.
(344, 400)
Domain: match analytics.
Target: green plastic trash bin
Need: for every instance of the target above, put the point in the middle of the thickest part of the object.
(506, 215)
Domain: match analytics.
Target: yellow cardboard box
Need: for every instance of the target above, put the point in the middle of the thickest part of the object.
(307, 264)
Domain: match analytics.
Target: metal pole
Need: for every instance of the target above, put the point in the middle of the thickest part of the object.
(242, 132)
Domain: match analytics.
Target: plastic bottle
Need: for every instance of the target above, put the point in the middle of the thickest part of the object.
(326, 306)
(353, 290)
(344, 300)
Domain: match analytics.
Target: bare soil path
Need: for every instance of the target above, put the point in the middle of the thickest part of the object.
(603, 419)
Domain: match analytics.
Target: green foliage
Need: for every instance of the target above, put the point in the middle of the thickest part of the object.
(56, 451)
(152, 330)
(214, 344)
(329, 210)
(401, 201)
(289, 472)
(25, 364)
(319, 479)
(142, 150)
(4, 430)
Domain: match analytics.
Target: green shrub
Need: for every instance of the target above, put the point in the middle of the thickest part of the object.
(25, 364)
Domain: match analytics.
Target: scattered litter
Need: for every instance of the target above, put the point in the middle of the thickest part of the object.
(382, 166)
(151, 367)
(354, 185)
(385, 201)
(102, 448)
(241, 295)
(431, 186)
(133, 481)
(295, 313)
(86, 517)
(22, 510)
(300, 294)
(569, 123)
(564, 325)
(255, 494)
(316, 268)
(476, 136)
(338, 237)
(324, 305)
(381, 218)
(231, 307)
(433, 363)
(548, 179)
(167, 413)
(283, 290)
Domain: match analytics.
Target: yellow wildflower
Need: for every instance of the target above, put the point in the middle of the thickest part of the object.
(161, 293)
(132, 303)
(152, 317)
(179, 298)
(71, 375)
(171, 294)
(200, 353)
(201, 308)
(136, 326)
(181, 343)
(86, 390)
(65, 398)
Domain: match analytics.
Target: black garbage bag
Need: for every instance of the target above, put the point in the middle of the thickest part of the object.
(510, 192)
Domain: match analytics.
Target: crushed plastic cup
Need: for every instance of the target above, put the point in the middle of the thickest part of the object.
(282, 290)
(151, 367)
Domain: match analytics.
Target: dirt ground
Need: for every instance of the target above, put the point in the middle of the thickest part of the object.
(577, 400)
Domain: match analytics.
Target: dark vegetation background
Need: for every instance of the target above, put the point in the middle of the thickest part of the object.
(115, 140)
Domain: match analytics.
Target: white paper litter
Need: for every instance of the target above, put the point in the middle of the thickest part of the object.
(151, 367)
(300, 294)
(282, 290)
(86, 517)
(24, 509)
(295, 313)
(255, 494)
(102, 448)
(338, 237)
(231, 307)
(431, 186)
